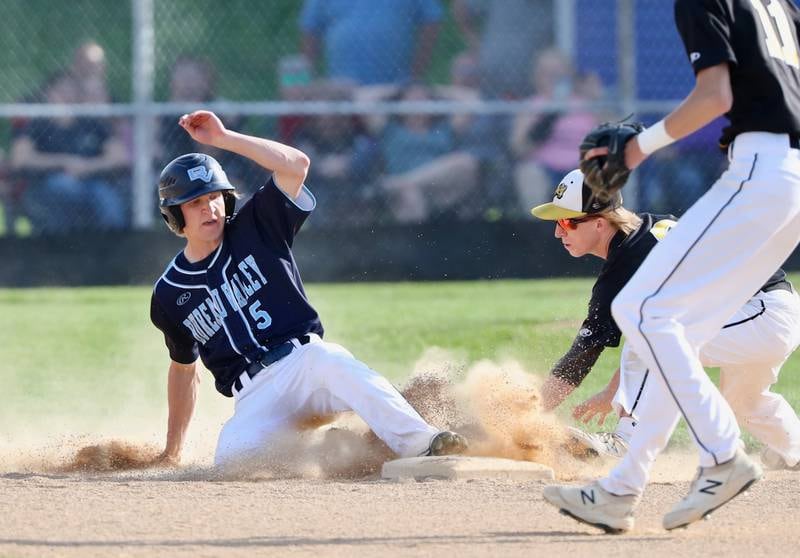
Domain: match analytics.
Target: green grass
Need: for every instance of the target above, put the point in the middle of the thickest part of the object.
(93, 356)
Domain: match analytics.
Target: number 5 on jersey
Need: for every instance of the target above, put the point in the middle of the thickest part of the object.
(262, 317)
(781, 44)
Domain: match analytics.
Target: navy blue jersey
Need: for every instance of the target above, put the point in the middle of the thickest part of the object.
(245, 297)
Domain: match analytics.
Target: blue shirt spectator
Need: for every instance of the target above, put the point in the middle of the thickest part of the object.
(371, 41)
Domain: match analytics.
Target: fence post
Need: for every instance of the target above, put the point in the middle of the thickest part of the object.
(565, 26)
(626, 56)
(143, 136)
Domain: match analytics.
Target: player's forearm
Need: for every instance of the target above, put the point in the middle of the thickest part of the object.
(272, 155)
(711, 98)
(182, 397)
(554, 391)
(570, 370)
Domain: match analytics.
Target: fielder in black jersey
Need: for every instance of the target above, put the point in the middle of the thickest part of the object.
(745, 57)
(234, 298)
(624, 239)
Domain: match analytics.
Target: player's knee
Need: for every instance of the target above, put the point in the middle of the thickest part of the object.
(332, 363)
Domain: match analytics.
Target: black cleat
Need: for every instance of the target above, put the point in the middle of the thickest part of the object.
(447, 443)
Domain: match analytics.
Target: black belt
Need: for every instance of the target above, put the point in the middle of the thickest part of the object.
(270, 357)
(779, 286)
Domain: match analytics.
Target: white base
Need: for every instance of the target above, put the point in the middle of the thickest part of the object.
(459, 467)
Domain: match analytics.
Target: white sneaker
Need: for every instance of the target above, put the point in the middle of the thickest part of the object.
(608, 444)
(774, 461)
(593, 505)
(712, 488)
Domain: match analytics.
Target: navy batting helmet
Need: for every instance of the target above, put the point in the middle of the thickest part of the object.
(186, 178)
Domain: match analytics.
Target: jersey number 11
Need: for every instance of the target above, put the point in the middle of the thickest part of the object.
(779, 38)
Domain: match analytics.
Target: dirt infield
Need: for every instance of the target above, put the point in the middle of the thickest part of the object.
(156, 515)
(67, 498)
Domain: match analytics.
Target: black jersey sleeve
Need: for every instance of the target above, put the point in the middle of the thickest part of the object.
(705, 28)
(182, 347)
(280, 215)
(599, 328)
(573, 367)
(598, 331)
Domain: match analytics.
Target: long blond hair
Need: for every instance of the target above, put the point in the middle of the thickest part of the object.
(622, 219)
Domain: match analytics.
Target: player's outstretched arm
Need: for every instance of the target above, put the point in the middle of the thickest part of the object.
(554, 391)
(182, 385)
(711, 98)
(289, 165)
(568, 373)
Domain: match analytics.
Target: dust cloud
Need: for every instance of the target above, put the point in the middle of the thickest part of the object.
(496, 405)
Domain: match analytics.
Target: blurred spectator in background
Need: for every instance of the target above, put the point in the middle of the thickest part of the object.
(425, 174)
(10, 197)
(371, 41)
(89, 84)
(678, 175)
(193, 80)
(505, 35)
(482, 136)
(346, 162)
(69, 165)
(89, 70)
(545, 144)
(6, 200)
(294, 83)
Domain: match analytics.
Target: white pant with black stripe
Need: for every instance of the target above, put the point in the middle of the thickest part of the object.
(720, 253)
(318, 379)
(749, 351)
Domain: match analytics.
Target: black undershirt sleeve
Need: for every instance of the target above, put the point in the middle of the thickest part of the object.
(573, 367)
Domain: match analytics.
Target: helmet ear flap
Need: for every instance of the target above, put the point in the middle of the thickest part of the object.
(230, 202)
(173, 217)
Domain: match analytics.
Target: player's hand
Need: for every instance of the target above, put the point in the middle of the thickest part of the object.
(204, 127)
(598, 406)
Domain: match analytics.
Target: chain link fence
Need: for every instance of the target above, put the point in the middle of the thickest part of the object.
(411, 110)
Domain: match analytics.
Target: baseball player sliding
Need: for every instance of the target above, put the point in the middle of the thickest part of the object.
(234, 298)
(745, 57)
(749, 350)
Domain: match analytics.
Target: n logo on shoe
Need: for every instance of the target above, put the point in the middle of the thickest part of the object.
(587, 496)
(711, 485)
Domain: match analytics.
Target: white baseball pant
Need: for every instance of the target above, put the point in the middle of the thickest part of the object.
(319, 378)
(721, 252)
(749, 351)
